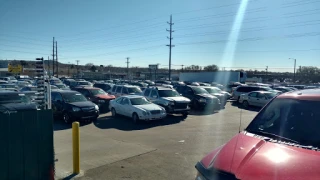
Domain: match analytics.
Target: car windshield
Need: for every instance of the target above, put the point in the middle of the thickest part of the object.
(133, 90)
(73, 97)
(8, 86)
(139, 101)
(298, 120)
(97, 91)
(212, 90)
(83, 83)
(60, 86)
(13, 98)
(199, 90)
(168, 93)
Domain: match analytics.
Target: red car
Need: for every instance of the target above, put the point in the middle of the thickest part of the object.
(97, 96)
(282, 142)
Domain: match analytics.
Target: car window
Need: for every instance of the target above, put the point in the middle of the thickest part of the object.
(58, 97)
(147, 92)
(125, 101)
(241, 89)
(119, 100)
(154, 93)
(261, 95)
(125, 90)
(118, 90)
(53, 96)
(254, 94)
(114, 88)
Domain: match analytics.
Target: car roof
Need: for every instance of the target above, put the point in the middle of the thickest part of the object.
(133, 96)
(10, 92)
(64, 91)
(305, 94)
(85, 87)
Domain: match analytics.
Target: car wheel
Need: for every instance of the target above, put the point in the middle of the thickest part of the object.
(185, 114)
(113, 112)
(66, 118)
(245, 104)
(135, 118)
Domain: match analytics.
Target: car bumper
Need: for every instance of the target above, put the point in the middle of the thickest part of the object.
(172, 110)
(152, 117)
(84, 115)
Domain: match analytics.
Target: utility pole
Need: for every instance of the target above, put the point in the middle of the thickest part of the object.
(266, 72)
(68, 69)
(170, 45)
(77, 68)
(57, 59)
(53, 57)
(49, 67)
(182, 67)
(128, 67)
(294, 69)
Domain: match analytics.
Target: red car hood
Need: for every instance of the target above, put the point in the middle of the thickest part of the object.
(251, 158)
(105, 96)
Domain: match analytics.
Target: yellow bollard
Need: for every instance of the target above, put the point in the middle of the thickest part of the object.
(76, 147)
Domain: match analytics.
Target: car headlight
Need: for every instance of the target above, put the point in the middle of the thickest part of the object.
(75, 109)
(96, 107)
(171, 103)
(101, 101)
(199, 176)
(202, 100)
(144, 113)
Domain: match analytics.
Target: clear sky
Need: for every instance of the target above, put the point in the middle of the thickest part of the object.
(229, 33)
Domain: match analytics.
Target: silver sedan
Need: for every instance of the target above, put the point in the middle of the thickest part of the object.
(256, 98)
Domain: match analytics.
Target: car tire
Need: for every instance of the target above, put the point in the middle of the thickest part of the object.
(135, 118)
(113, 112)
(66, 118)
(245, 104)
(185, 114)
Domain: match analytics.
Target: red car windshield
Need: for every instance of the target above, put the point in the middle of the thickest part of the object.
(297, 120)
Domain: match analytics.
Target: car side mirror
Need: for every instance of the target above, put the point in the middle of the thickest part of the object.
(180, 94)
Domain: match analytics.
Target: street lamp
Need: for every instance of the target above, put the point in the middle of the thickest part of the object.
(294, 69)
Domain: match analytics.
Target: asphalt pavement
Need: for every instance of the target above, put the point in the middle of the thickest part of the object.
(115, 148)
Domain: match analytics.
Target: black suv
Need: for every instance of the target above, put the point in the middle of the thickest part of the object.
(104, 86)
(11, 101)
(200, 98)
(72, 105)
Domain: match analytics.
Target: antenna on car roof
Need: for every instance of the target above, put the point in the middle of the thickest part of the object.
(240, 121)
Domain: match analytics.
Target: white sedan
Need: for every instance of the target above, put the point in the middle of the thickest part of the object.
(256, 98)
(136, 107)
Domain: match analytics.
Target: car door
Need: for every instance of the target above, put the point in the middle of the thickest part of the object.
(188, 93)
(252, 98)
(117, 106)
(153, 95)
(261, 99)
(118, 91)
(58, 102)
(126, 107)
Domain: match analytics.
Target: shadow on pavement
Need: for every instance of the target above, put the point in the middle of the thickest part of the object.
(60, 125)
(202, 113)
(250, 108)
(126, 124)
(70, 176)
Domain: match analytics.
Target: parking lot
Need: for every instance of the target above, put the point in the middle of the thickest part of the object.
(115, 148)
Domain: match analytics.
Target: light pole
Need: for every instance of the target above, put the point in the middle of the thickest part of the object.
(294, 69)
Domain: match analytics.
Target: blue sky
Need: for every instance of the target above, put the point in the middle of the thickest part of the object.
(260, 33)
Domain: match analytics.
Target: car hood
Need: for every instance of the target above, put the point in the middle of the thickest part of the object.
(105, 96)
(249, 157)
(18, 107)
(207, 96)
(148, 107)
(217, 94)
(177, 99)
(82, 104)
